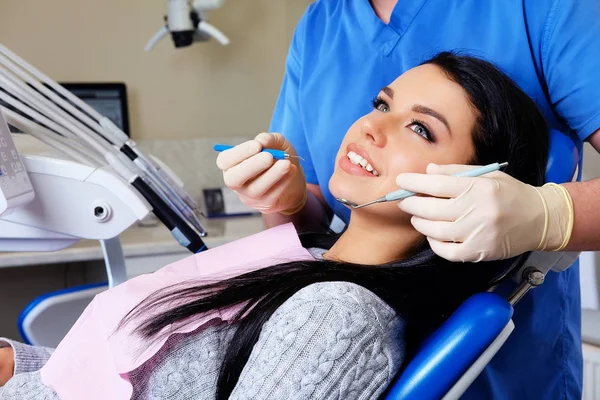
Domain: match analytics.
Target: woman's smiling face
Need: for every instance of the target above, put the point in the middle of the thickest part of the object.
(422, 117)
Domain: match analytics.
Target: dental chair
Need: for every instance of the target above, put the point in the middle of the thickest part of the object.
(450, 360)
(447, 363)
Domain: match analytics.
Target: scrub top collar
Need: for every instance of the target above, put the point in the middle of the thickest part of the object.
(386, 36)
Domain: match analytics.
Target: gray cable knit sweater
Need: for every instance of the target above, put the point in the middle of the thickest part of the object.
(331, 340)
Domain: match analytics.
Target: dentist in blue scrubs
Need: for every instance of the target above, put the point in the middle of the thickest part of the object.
(344, 51)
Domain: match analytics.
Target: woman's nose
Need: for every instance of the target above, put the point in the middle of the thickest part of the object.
(374, 130)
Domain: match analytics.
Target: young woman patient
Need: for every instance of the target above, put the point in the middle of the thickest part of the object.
(342, 323)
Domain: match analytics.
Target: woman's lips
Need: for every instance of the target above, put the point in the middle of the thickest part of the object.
(361, 151)
(353, 169)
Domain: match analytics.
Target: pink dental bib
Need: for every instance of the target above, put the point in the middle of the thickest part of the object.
(94, 358)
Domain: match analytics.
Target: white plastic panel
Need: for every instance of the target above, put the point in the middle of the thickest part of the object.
(15, 186)
(68, 197)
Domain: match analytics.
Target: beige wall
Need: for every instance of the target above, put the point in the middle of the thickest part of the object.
(205, 90)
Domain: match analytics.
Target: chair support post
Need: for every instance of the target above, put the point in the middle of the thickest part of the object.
(531, 278)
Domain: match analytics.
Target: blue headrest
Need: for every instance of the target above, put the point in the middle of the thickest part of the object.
(451, 350)
(562, 158)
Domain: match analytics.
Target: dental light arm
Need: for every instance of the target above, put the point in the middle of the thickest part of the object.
(55, 116)
(187, 23)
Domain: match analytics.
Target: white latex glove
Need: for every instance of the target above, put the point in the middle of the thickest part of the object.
(261, 182)
(485, 218)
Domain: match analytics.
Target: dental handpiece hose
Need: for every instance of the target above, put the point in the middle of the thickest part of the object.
(180, 230)
(164, 189)
(87, 127)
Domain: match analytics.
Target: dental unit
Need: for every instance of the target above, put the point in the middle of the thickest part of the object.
(402, 194)
(94, 146)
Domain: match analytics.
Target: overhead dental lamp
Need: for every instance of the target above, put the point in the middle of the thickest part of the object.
(187, 23)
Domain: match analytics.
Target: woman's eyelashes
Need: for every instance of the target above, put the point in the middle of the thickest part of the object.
(420, 128)
(417, 126)
(380, 104)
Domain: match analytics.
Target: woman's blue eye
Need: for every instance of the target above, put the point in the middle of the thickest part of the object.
(383, 108)
(416, 126)
(419, 128)
(381, 105)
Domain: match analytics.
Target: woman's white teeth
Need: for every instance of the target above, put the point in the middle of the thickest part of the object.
(358, 160)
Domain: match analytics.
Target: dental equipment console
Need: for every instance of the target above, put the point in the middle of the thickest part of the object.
(187, 23)
(97, 152)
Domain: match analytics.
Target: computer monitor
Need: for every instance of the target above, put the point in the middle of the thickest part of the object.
(109, 99)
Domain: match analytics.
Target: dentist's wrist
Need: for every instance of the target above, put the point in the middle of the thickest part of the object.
(299, 206)
(559, 217)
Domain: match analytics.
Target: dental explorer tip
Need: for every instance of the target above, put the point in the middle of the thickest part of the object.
(502, 165)
(287, 157)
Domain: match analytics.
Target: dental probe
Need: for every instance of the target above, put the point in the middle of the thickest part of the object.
(277, 154)
(402, 194)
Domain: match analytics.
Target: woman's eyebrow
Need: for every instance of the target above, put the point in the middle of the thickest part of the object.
(426, 110)
(389, 91)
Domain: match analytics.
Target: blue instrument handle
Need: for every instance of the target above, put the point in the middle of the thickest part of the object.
(277, 154)
(402, 194)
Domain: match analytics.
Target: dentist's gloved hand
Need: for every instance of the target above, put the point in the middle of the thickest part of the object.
(261, 182)
(486, 218)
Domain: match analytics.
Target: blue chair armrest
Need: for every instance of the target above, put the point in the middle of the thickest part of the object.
(48, 318)
(451, 350)
(562, 158)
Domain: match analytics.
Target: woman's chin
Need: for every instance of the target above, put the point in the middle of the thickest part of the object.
(346, 189)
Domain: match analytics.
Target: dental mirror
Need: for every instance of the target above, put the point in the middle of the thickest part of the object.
(354, 206)
(346, 202)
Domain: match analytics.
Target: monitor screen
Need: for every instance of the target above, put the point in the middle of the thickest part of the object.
(109, 99)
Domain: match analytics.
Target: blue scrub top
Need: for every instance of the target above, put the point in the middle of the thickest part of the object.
(342, 54)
